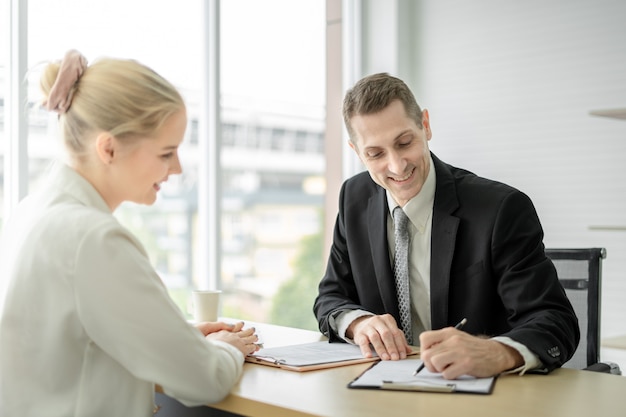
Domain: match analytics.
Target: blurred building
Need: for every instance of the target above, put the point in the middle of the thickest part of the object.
(272, 195)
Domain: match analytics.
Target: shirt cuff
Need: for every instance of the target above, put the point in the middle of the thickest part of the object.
(531, 361)
(339, 323)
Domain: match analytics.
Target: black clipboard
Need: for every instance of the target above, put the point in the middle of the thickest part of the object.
(398, 376)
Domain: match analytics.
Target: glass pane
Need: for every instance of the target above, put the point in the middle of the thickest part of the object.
(273, 94)
(3, 74)
(163, 35)
(272, 74)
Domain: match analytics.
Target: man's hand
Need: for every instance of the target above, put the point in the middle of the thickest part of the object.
(381, 333)
(453, 353)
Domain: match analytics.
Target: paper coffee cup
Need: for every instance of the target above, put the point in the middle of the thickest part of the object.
(205, 305)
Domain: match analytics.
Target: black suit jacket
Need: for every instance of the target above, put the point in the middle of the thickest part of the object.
(487, 264)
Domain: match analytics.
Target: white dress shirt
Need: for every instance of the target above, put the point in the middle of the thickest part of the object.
(86, 326)
(419, 210)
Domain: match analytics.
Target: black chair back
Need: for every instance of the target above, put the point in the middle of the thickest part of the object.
(580, 273)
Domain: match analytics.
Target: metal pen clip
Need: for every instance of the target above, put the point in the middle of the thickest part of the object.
(412, 385)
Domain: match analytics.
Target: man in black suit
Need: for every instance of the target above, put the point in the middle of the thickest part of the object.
(476, 251)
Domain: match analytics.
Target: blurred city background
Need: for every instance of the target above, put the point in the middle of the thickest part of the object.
(272, 139)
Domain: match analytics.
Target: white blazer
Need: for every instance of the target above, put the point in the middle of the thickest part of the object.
(86, 326)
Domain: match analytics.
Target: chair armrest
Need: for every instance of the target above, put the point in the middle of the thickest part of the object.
(604, 367)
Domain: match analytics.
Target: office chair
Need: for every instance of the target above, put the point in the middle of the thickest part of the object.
(580, 273)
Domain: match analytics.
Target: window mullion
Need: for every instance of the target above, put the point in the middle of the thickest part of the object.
(16, 106)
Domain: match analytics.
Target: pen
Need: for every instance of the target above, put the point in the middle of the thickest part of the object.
(458, 326)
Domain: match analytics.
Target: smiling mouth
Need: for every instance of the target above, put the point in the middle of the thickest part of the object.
(406, 177)
(156, 186)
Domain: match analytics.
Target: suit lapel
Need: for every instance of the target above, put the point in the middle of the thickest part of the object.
(444, 230)
(377, 221)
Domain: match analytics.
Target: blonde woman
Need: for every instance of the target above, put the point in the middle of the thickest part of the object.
(87, 328)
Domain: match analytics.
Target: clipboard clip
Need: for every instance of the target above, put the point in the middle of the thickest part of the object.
(270, 359)
(417, 386)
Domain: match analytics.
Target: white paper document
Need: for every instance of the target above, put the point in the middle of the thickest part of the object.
(398, 375)
(311, 353)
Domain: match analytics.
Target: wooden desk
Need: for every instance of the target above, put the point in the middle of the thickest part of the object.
(272, 392)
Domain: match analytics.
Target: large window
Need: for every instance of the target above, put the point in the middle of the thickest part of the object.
(168, 41)
(272, 72)
(272, 114)
(3, 64)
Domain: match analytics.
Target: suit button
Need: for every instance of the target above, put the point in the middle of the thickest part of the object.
(554, 351)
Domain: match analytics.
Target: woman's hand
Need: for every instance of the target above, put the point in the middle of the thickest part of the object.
(243, 339)
(208, 327)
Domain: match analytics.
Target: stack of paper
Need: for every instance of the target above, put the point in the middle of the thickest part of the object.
(310, 356)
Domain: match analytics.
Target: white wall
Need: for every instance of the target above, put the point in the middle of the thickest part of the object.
(509, 86)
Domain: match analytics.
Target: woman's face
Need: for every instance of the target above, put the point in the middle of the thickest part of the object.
(141, 167)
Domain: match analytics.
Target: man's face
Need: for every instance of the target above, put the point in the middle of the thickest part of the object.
(394, 149)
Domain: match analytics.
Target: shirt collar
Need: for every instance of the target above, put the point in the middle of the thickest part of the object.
(67, 179)
(419, 208)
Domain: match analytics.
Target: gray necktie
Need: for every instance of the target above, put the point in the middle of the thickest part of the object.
(401, 270)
